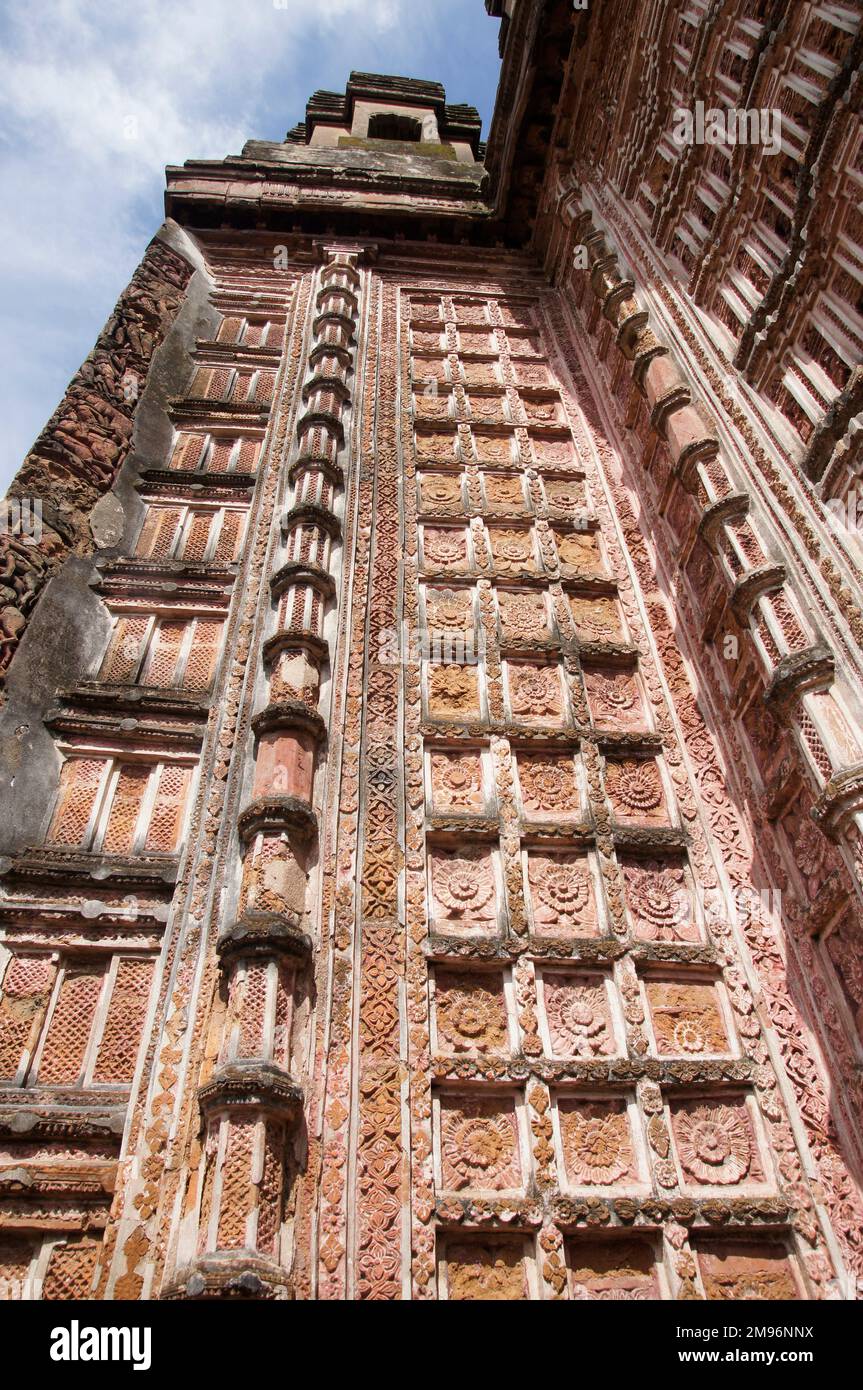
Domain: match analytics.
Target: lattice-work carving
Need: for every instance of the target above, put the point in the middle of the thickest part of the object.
(70, 1270)
(132, 782)
(26, 989)
(124, 1023)
(204, 654)
(80, 779)
(69, 1028)
(237, 1192)
(124, 653)
(163, 834)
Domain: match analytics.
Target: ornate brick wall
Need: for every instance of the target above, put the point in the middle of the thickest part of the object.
(81, 449)
(428, 903)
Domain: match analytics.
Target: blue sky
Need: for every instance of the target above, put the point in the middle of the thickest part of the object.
(97, 98)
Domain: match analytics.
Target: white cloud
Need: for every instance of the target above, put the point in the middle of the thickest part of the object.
(96, 99)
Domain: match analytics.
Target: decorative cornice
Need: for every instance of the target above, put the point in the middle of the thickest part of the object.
(814, 668)
(230, 1275)
(752, 585)
(251, 1085)
(263, 934)
(302, 572)
(840, 801)
(278, 814)
(311, 513)
(290, 716)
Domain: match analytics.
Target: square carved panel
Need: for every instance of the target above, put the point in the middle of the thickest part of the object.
(536, 693)
(753, 1270)
(716, 1143)
(565, 498)
(481, 373)
(489, 410)
(580, 554)
(453, 692)
(561, 894)
(524, 616)
(618, 1269)
(596, 619)
(504, 495)
(660, 900)
(596, 1142)
(433, 403)
(471, 1015)
(465, 894)
(476, 343)
(636, 791)
(549, 785)
(513, 550)
(482, 1268)
(535, 374)
(559, 454)
(425, 342)
(441, 494)
(615, 700)
(578, 1015)
(687, 1018)
(495, 450)
(445, 548)
(458, 784)
(436, 446)
(480, 1148)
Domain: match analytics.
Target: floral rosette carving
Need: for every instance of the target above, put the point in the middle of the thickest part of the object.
(659, 902)
(635, 788)
(578, 1018)
(449, 610)
(453, 690)
(471, 1016)
(615, 700)
(523, 617)
(457, 782)
(563, 897)
(565, 499)
(479, 1148)
(597, 1145)
(504, 494)
(714, 1144)
(549, 786)
(512, 550)
(464, 887)
(441, 490)
(445, 549)
(535, 692)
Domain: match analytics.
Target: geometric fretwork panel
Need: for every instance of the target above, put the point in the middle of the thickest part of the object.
(73, 1020)
(120, 807)
(191, 534)
(164, 652)
(46, 1267)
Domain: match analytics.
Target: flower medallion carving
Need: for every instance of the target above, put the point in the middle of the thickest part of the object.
(471, 1016)
(479, 1145)
(597, 1143)
(578, 1016)
(562, 897)
(463, 888)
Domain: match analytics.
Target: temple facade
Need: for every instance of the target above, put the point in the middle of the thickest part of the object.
(431, 803)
